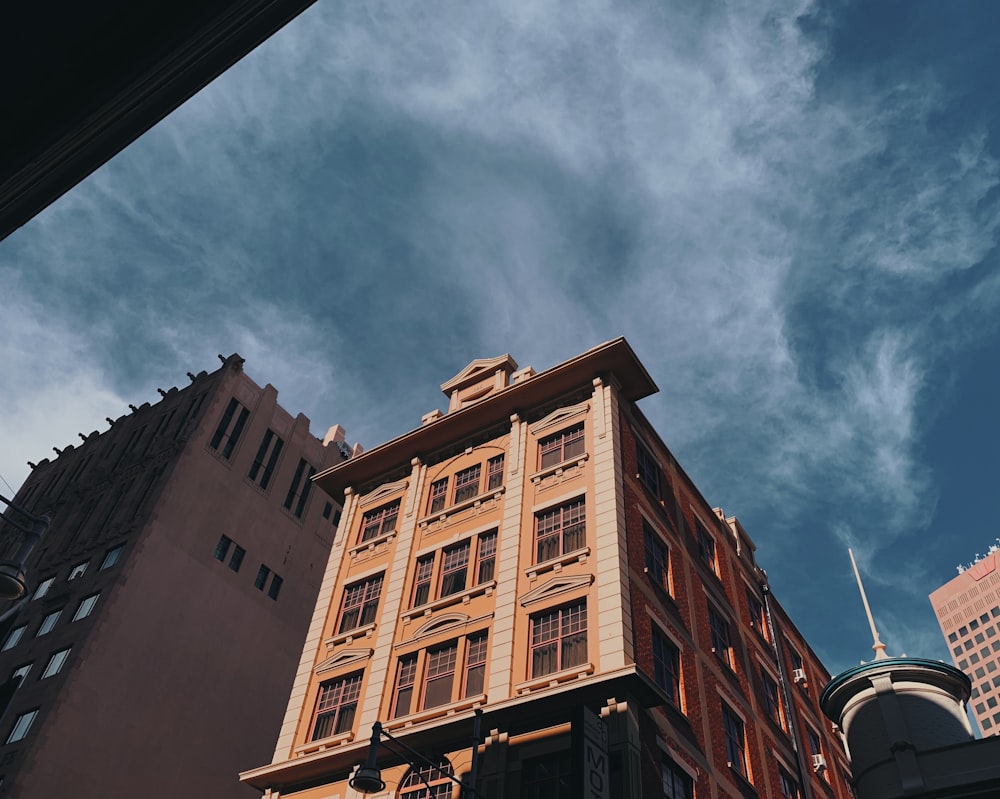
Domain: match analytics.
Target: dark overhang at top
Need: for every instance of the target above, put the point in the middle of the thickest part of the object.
(83, 80)
(614, 357)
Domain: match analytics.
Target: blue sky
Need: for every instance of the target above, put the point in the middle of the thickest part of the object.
(790, 209)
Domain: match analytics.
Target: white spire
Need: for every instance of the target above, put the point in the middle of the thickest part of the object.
(878, 646)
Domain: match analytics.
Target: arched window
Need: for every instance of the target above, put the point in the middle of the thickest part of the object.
(414, 785)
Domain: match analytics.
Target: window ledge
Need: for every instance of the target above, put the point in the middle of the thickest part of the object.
(347, 637)
(554, 679)
(371, 544)
(428, 608)
(435, 712)
(323, 744)
(656, 584)
(479, 499)
(557, 564)
(559, 468)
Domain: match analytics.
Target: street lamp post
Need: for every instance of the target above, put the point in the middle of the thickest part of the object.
(368, 777)
(13, 580)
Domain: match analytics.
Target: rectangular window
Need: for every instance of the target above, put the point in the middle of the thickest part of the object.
(55, 663)
(467, 483)
(558, 639)
(667, 666)
(815, 748)
(21, 726)
(454, 569)
(475, 665)
(648, 471)
(406, 676)
(560, 531)
(547, 777)
(772, 699)
(78, 570)
(227, 434)
(43, 588)
(222, 548)
(657, 558)
(439, 493)
(440, 675)
(758, 618)
(298, 491)
(336, 706)
(561, 447)
(48, 623)
(735, 741)
(677, 783)
(422, 581)
(85, 607)
(789, 787)
(237, 559)
(494, 473)
(266, 459)
(706, 549)
(13, 637)
(360, 604)
(486, 557)
(111, 557)
(380, 521)
(275, 589)
(261, 580)
(721, 642)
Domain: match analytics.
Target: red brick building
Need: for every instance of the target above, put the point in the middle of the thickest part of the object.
(538, 555)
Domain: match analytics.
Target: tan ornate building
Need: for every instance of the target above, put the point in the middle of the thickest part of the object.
(537, 554)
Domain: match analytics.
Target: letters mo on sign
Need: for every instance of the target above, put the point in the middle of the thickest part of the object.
(591, 756)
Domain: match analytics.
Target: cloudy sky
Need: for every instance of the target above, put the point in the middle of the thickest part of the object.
(790, 209)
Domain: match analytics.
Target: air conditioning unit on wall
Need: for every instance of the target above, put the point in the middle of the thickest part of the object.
(819, 763)
(798, 676)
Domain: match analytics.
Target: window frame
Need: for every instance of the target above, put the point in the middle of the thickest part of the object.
(552, 628)
(300, 488)
(771, 693)
(708, 551)
(455, 662)
(735, 736)
(13, 637)
(114, 555)
(564, 533)
(721, 636)
(369, 595)
(647, 470)
(346, 696)
(228, 433)
(657, 558)
(47, 626)
(432, 571)
(670, 767)
(564, 443)
(266, 459)
(49, 671)
(22, 727)
(666, 665)
(92, 599)
(494, 472)
(465, 485)
(374, 521)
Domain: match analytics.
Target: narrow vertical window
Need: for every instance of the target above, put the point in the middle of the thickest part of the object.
(667, 666)
(486, 557)
(406, 675)
(422, 581)
(48, 623)
(227, 434)
(336, 706)
(13, 637)
(21, 726)
(440, 675)
(222, 548)
(648, 471)
(558, 639)
(475, 665)
(439, 493)
(467, 483)
(735, 741)
(721, 641)
(772, 699)
(43, 588)
(261, 580)
(560, 531)
(454, 569)
(264, 462)
(298, 492)
(657, 558)
(237, 558)
(111, 557)
(706, 550)
(275, 588)
(677, 783)
(758, 617)
(494, 473)
(789, 787)
(55, 664)
(85, 608)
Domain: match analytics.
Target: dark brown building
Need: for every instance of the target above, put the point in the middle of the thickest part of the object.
(167, 603)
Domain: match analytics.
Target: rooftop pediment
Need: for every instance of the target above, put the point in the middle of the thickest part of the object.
(478, 380)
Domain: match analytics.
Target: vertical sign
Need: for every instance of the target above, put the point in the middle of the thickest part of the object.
(591, 771)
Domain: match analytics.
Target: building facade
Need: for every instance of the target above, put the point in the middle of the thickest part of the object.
(968, 609)
(536, 555)
(168, 600)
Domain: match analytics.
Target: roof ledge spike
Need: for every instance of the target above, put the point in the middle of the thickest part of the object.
(877, 644)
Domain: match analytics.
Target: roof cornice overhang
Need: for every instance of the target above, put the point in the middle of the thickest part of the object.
(614, 358)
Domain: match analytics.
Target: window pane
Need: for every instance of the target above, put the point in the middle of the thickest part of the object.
(55, 663)
(13, 637)
(21, 726)
(85, 607)
(48, 623)
(111, 558)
